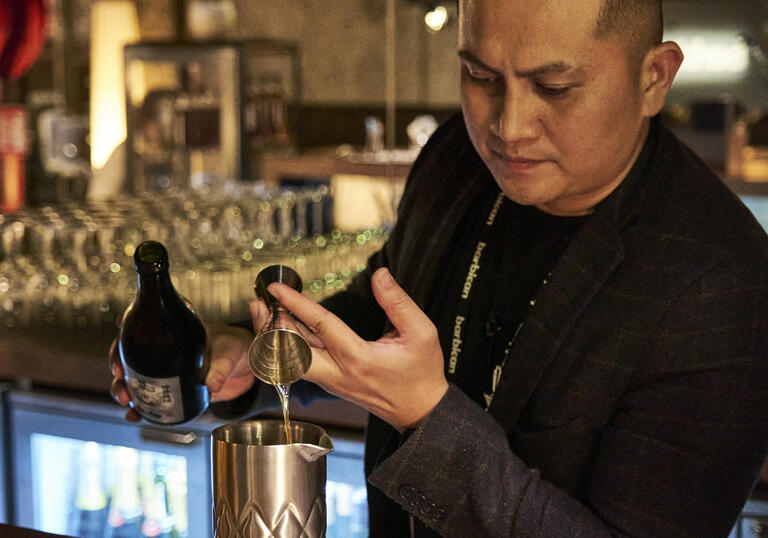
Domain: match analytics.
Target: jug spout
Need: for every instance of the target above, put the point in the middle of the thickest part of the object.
(312, 452)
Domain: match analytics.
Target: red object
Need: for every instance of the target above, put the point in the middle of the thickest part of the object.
(23, 31)
(14, 144)
(13, 130)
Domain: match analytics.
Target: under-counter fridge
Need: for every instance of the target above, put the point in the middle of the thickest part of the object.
(754, 195)
(4, 460)
(758, 205)
(77, 468)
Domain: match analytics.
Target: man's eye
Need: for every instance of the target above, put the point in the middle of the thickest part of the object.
(480, 76)
(553, 91)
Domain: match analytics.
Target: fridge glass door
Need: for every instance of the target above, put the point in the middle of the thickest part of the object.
(758, 205)
(82, 488)
(80, 471)
(4, 459)
(345, 494)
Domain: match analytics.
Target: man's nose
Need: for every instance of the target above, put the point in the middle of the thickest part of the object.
(517, 119)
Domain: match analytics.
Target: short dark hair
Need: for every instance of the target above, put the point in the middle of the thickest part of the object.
(639, 23)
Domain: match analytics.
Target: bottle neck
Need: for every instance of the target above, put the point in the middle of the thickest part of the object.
(155, 284)
(90, 493)
(127, 492)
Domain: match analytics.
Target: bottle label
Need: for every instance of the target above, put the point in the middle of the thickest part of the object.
(157, 398)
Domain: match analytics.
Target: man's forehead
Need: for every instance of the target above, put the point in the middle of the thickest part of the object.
(533, 69)
(541, 31)
(544, 14)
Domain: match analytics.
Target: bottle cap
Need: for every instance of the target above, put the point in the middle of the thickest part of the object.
(151, 257)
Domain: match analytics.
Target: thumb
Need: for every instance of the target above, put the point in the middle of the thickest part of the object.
(404, 314)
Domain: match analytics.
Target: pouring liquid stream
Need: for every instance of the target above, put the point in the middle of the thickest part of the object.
(282, 392)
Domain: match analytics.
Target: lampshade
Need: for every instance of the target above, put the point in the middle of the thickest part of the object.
(114, 23)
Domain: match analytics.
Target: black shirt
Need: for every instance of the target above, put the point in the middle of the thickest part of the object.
(521, 248)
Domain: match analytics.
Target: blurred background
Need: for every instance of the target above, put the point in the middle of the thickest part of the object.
(281, 79)
(240, 133)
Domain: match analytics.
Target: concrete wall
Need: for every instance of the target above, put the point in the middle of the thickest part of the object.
(343, 48)
(342, 43)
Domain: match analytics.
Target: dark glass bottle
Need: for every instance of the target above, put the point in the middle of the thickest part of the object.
(158, 522)
(162, 345)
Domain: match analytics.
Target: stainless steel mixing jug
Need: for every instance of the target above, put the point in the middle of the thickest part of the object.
(262, 488)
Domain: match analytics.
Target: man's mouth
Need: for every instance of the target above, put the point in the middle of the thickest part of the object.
(517, 163)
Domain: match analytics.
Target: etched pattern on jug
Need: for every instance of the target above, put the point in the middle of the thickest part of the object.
(289, 522)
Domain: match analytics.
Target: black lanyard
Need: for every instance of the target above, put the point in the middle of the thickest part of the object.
(492, 326)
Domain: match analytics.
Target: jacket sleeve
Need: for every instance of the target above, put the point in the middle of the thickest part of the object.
(356, 305)
(679, 457)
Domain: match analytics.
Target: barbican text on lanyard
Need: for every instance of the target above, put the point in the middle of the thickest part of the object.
(462, 309)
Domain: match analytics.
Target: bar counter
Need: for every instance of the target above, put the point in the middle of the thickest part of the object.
(76, 360)
(326, 162)
(9, 531)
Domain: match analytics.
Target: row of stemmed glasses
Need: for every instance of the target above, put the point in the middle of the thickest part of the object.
(71, 265)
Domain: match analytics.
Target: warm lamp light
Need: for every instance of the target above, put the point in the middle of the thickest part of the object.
(114, 23)
(436, 19)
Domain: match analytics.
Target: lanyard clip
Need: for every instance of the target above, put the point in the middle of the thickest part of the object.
(492, 326)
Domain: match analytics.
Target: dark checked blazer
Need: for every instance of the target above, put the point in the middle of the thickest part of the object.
(635, 398)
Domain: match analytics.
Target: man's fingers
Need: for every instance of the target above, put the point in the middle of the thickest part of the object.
(217, 373)
(119, 391)
(320, 321)
(223, 371)
(260, 316)
(404, 314)
(323, 370)
(259, 313)
(132, 415)
(114, 360)
(118, 388)
(233, 388)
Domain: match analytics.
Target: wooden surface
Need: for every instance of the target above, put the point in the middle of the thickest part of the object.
(322, 163)
(72, 359)
(76, 360)
(9, 531)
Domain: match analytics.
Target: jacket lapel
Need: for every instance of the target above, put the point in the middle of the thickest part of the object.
(425, 257)
(588, 261)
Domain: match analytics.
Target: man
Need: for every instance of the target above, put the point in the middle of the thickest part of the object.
(574, 341)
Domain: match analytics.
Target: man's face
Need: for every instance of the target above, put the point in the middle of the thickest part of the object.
(554, 113)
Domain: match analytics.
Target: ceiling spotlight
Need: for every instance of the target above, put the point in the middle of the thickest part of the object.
(436, 19)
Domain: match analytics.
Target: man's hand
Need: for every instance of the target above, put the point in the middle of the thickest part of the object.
(399, 377)
(228, 375)
(119, 389)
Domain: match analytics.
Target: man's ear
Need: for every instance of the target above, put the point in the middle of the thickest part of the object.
(659, 68)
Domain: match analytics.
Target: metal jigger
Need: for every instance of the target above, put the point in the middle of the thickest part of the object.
(278, 355)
